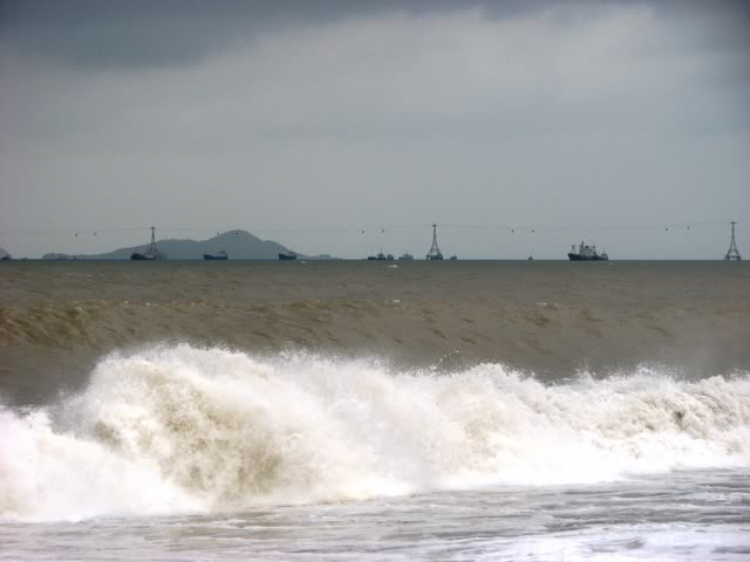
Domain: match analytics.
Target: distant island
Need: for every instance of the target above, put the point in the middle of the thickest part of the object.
(238, 244)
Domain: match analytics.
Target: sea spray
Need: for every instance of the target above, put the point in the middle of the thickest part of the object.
(49, 474)
(179, 429)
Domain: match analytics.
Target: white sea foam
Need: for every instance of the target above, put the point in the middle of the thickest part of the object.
(179, 429)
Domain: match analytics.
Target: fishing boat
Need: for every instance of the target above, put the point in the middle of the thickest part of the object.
(218, 256)
(287, 256)
(144, 256)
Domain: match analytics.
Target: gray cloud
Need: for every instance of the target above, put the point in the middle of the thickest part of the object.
(127, 34)
(296, 118)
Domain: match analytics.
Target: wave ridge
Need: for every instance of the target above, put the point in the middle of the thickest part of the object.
(176, 429)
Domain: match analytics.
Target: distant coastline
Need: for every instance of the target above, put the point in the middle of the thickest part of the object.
(238, 244)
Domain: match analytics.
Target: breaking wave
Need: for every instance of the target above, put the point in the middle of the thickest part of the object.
(181, 429)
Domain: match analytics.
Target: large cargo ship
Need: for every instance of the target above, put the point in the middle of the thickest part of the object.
(586, 253)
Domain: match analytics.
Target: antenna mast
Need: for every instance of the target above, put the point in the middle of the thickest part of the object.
(434, 253)
(733, 254)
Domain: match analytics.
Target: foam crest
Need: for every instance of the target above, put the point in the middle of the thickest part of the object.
(46, 474)
(179, 429)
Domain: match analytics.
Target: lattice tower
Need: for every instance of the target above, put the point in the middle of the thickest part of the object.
(733, 254)
(434, 253)
(152, 246)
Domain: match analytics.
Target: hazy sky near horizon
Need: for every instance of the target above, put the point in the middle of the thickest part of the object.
(520, 127)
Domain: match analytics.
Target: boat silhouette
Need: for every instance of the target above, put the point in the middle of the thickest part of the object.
(218, 256)
(586, 253)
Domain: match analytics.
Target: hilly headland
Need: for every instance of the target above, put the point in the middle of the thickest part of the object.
(238, 244)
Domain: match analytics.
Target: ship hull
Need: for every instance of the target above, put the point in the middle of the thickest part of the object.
(287, 257)
(136, 256)
(578, 257)
(209, 257)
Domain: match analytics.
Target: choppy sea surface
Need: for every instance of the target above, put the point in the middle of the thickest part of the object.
(355, 411)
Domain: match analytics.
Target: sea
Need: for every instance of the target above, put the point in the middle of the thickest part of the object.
(394, 411)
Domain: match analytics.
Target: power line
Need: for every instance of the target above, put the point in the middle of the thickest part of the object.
(511, 228)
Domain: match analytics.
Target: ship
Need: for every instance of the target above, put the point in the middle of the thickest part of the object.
(218, 256)
(288, 256)
(406, 256)
(586, 253)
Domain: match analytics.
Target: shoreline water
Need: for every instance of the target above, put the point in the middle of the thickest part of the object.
(554, 319)
(354, 411)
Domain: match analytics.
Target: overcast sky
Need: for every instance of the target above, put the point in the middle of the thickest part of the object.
(347, 126)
